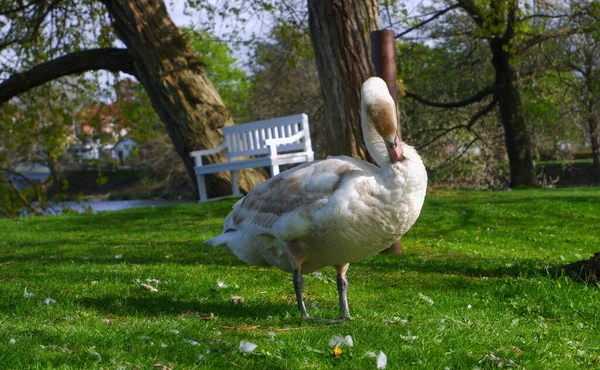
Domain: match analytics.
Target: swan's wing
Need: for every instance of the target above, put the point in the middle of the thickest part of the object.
(288, 199)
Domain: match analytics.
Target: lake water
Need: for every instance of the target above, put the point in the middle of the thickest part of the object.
(116, 205)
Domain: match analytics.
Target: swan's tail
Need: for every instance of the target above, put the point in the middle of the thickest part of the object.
(220, 241)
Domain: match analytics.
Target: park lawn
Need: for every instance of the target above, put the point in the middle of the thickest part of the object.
(476, 287)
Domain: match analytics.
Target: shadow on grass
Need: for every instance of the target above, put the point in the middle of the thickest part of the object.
(164, 306)
(457, 265)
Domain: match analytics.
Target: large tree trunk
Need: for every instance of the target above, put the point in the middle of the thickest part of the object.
(174, 78)
(340, 34)
(516, 135)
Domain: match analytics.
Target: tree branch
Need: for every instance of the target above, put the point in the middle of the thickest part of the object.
(548, 35)
(472, 9)
(485, 110)
(112, 59)
(473, 99)
(433, 17)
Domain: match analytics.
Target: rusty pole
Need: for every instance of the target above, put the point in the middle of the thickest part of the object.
(383, 54)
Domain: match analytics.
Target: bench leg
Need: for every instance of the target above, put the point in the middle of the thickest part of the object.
(235, 186)
(274, 170)
(201, 188)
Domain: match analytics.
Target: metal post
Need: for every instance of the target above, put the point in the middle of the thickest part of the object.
(383, 54)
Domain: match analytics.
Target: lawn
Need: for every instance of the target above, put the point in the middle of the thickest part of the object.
(476, 287)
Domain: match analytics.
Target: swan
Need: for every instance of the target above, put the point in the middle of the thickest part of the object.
(335, 211)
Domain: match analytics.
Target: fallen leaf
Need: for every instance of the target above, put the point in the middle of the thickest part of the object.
(198, 315)
(166, 366)
(236, 299)
(149, 288)
(242, 327)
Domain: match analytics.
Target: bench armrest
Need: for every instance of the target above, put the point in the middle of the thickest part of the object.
(197, 154)
(285, 140)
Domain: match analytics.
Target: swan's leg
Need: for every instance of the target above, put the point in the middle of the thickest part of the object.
(298, 283)
(342, 286)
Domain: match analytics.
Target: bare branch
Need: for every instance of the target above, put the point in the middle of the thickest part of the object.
(433, 17)
(548, 35)
(484, 111)
(548, 16)
(473, 99)
(453, 159)
(14, 187)
(112, 59)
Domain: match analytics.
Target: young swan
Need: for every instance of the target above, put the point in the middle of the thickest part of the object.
(335, 211)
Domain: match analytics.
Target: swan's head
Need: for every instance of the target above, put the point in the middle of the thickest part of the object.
(379, 110)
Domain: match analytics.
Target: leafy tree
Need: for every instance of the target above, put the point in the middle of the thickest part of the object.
(224, 71)
(49, 40)
(510, 28)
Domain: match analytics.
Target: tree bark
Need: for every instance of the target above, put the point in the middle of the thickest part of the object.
(516, 135)
(112, 59)
(175, 80)
(340, 34)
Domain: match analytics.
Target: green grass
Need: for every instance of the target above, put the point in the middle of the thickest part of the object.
(487, 261)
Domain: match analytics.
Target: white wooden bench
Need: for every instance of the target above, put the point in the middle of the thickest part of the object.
(268, 143)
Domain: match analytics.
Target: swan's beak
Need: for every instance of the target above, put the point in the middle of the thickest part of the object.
(395, 150)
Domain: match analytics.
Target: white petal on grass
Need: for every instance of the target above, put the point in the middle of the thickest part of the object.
(118, 256)
(395, 320)
(49, 301)
(221, 284)
(192, 342)
(12, 341)
(154, 281)
(408, 337)
(247, 347)
(27, 294)
(370, 354)
(163, 345)
(426, 298)
(92, 351)
(149, 288)
(340, 340)
(381, 360)
(174, 331)
(201, 357)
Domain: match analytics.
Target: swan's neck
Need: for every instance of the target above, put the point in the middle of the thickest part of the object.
(375, 144)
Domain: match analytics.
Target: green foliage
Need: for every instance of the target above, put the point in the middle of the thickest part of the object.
(477, 277)
(224, 71)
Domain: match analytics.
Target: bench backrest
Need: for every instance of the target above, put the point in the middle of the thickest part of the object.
(249, 138)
